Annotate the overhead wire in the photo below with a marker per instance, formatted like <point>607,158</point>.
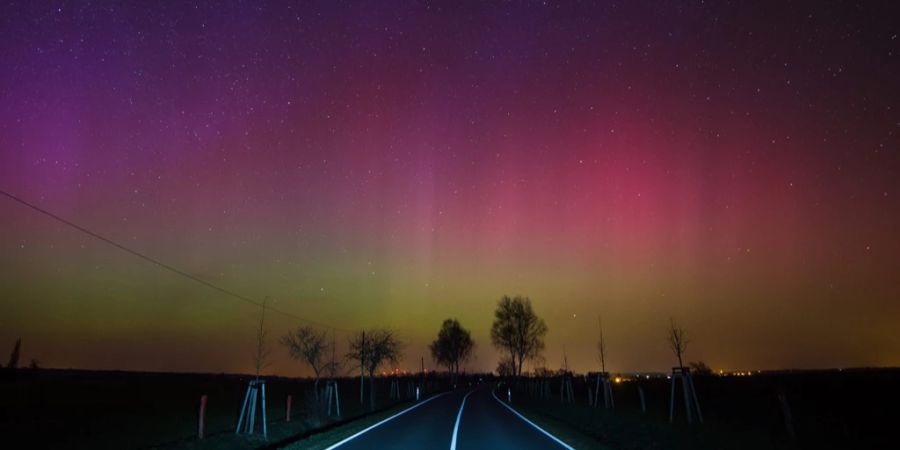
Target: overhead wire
<point>166,266</point>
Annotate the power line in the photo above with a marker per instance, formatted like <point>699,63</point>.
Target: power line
<point>164,265</point>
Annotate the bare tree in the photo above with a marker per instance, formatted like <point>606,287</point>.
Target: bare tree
<point>312,347</point>
<point>335,367</point>
<point>601,347</point>
<point>372,349</point>
<point>452,347</point>
<point>505,367</point>
<point>261,353</point>
<point>517,331</point>
<point>14,356</point>
<point>700,368</point>
<point>678,341</point>
<point>358,346</point>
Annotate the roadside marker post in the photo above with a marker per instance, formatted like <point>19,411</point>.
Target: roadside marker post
<point>509,395</point>
<point>202,417</point>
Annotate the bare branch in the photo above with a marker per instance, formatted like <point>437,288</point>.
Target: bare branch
<point>678,341</point>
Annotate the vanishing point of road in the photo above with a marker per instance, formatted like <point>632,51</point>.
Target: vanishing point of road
<point>459,420</point>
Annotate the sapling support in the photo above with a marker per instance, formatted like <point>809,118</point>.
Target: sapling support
<point>256,389</point>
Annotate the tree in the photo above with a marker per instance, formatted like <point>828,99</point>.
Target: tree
<point>371,349</point>
<point>312,347</point>
<point>505,368</point>
<point>14,356</point>
<point>601,348</point>
<point>453,346</point>
<point>700,368</point>
<point>261,353</point>
<point>678,341</point>
<point>517,331</point>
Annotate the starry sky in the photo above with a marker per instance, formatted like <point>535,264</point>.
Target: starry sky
<point>733,165</point>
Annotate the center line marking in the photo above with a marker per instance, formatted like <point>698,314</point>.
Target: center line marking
<point>458,418</point>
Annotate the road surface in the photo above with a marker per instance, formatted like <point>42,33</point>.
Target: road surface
<point>459,420</point>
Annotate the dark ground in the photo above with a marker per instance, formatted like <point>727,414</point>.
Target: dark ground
<point>98,410</point>
<point>86,409</point>
<point>830,410</point>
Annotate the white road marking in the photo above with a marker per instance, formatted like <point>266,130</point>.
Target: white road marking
<point>531,423</point>
<point>458,418</point>
<point>384,421</point>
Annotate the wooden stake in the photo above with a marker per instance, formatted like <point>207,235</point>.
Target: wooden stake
<point>288,418</point>
<point>643,404</point>
<point>786,413</point>
<point>265,430</point>
<point>202,417</point>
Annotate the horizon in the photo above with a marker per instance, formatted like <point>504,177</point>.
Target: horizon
<point>733,169</point>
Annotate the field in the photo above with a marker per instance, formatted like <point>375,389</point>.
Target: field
<point>90,409</point>
<point>829,410</point>
<point>97,410</point>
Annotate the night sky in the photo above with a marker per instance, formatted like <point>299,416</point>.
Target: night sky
<point>735,165</point>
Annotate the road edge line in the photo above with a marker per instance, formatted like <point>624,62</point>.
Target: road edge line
<point>558,441</point>
<point>359,433</point>
<point>458,418</point>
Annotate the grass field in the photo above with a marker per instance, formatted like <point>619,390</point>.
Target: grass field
<point>99,410</point>
<point>830,410</point>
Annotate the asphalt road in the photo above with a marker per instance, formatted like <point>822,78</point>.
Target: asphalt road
<point>459,420</point>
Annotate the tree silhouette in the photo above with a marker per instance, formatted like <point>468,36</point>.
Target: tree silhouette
<point>312,347</point>
<point>700,368</point>
<point>14,356</point>
<point>505,367</point>
<point>371,349</point>
<point>601,348</point>
<point>262,351</point>
<point>678,341</point>
<point>517,331</point>
<point>453,346</point>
